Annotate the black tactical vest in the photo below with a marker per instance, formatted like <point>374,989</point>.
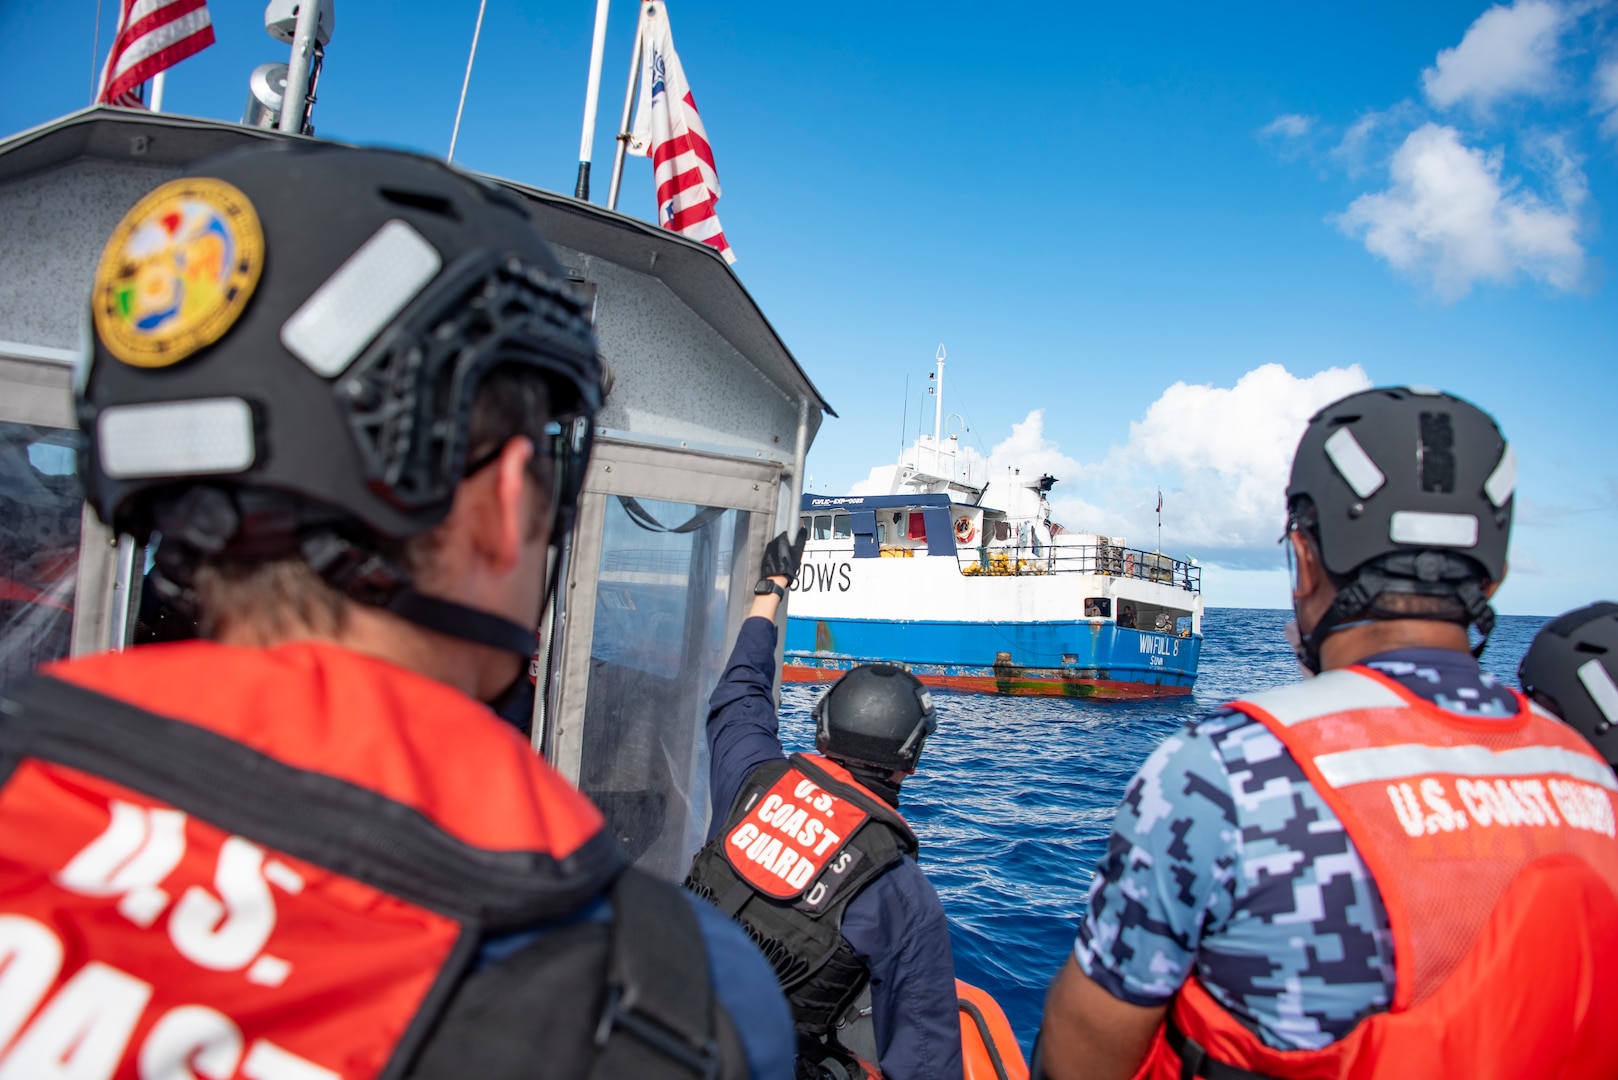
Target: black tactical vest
<point>802,935</point>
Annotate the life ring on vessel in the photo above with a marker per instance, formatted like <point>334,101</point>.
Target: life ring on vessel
<point>965,531</point>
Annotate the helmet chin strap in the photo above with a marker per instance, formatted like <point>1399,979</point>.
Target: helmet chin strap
<point>461,622</point>
<point>1355,605</point>
<point>369,578</point>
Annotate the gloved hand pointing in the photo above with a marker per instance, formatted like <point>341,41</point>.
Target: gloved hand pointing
<point>782,557</point>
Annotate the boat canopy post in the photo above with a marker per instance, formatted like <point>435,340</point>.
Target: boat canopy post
<point>592,97</point>
<point>629,111</point>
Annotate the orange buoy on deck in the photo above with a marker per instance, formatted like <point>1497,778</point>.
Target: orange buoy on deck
<point>989,1050</point>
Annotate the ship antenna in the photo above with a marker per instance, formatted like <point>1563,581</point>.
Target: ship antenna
<point>477,30</point>
<point>904,419</point>
<point>938,400</point>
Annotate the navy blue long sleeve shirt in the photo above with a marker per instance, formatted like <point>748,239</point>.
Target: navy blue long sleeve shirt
<point>895,925</point>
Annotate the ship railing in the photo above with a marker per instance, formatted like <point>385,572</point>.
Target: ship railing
<point>1018,560</point>
<point>1107,560</point>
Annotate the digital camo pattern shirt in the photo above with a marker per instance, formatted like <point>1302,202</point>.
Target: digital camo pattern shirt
<point>1224,862</point>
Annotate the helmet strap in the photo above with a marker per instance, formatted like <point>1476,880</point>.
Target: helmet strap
<point>463,623</point>
<point>1355,605</point>
<point>369,578</point>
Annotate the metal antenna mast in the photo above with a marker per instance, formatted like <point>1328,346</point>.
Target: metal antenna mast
<point>467,81</point>
<point>592,96</point>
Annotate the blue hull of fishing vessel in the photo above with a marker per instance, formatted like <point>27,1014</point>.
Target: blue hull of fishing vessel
<point>1085,658</point>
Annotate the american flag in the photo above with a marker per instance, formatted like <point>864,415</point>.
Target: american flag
<point>153,35</point>
<point>669,131</point>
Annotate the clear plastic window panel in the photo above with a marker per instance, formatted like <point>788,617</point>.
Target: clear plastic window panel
<point>40,507</point>
<point>663,595</point>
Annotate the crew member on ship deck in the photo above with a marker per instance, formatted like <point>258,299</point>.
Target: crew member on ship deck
<point>770,865</point>
<point>1397,868</point>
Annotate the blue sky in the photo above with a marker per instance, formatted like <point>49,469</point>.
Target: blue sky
<point>1175,229</point>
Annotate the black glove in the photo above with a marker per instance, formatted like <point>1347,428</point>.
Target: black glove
<point>782,557</point>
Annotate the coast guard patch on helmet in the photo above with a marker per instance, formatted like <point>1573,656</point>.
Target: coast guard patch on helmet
<point>177,272</point>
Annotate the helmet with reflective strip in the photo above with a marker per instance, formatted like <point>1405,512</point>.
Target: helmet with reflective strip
<point>877,715</point>
<point>1396,470</point>
<point>1405,490</point>
<point>388,286</point>
<point>1572,669</point>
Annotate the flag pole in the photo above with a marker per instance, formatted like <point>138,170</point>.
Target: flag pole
<point>592,97</point>
<point>623,125</point>
<point>466,81</point>
<point>160,82</point>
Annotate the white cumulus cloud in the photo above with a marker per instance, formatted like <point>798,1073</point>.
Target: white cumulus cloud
<point>1220,454</point>
<point>1606,93</point>
<point>1226,452</point>
<point>1029,450</point>
<point>1449,216</point>
<point>1507,51</point>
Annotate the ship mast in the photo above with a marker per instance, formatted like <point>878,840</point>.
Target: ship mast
<point>938,402</point>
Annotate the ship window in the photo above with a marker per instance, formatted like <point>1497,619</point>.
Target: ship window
<point>841,529</point>
<point>822,527</point>
<point>39,546</point>
<point>1098,607</point>
<point>803,522</point>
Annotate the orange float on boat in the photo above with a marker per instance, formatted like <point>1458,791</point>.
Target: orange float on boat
<point>989,1050</point>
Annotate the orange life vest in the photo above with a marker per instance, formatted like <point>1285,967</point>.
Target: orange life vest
<point>1492,842</point>
<point>263,863</point>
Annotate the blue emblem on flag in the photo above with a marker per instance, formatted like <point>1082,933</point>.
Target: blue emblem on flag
<point>657,72</point>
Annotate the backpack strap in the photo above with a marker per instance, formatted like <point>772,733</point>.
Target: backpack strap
<point>661,1018</point>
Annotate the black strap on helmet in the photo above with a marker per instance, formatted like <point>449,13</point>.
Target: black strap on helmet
<point>1427,573</point>
<point>370,578</point>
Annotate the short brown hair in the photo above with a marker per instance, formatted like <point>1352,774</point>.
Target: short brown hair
<point>281,593</point>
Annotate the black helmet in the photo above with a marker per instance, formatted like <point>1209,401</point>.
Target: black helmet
<point>1572,669</point>
<point>877,715</point>
<point>288,342</point>
<point>1406,490</point>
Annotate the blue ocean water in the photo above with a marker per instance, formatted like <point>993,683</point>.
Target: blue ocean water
<point>1015,796</point>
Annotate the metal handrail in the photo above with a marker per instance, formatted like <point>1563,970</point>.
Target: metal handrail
<point>1107,560</point>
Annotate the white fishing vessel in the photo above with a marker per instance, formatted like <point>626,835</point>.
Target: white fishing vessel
<point>965,578</point>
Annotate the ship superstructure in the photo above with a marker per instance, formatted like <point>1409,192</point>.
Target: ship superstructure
<point>965,578</point>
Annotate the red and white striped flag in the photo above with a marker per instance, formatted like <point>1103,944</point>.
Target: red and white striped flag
<point>153,35</point>
<point>669,131</point>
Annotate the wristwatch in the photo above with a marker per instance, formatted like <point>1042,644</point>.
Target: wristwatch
<point>765,587</point>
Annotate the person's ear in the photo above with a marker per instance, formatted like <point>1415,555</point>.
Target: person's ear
<point>509,512</point>
<point>1308,574</point>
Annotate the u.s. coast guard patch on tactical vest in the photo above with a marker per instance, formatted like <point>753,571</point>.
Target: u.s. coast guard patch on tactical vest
<point>790,835</point>
<point>177,272</point>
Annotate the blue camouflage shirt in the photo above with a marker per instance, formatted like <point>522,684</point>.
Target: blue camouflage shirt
<point>1225,863</point>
